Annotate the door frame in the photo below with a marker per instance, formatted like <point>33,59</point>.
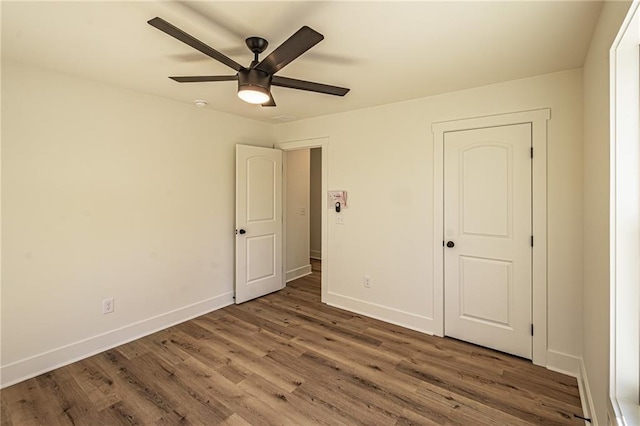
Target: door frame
<point>323,144</point>
<point>538,119</point>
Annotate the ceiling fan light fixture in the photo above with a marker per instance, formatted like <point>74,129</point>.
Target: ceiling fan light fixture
<point>253,94</point>
<point>253,86</point>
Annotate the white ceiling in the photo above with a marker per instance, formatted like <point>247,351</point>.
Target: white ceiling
<point>384,51</point>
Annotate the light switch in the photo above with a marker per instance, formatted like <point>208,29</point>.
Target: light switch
<point>339,219</point>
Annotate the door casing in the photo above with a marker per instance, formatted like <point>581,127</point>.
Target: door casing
<point>538,119</point>
<point>322,143</point>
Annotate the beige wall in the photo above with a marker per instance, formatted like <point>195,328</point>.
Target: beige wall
<point>595,348</point>
<point>297,222</point>
<point>109,193</point>
<point>384,157</point>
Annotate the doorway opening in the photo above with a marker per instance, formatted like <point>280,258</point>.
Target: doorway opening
<point>319,149</point>
<point>302,191</point>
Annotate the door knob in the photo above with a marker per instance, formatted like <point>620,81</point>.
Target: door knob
<point>450,244</point>
<point>242,232</point>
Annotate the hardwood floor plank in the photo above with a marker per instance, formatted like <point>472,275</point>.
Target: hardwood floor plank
<point>237,334</point>
<point>306,411</point>
<point>228,394</point>
<point>322,387</point>
<point>245,314</point>
<point>288,359</point>
<point>376,397</point>
<point>333,327</point>
<point>345,406</point>
<point>249,363</point>
<point>192,402</point>
<point>205,352</point>
<point>120,413</point>
<point>95,383</point>
<point>286,405</point>
<point>148,400</point>
<point>5,418</point>
<point>556,390</point>
<point>493,394</point>
<point>160,344</point>
<point>235,420</point>
<point>27,404</point>
<point>305,311</point>
<point>350,353</point>
<point>62,387</point>
<point>468,411</point>
<point>520,390</point>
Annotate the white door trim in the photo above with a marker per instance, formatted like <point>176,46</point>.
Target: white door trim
<point>322,143</point>
<point>538,120</point>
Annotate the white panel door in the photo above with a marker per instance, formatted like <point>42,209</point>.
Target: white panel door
<point>487,252</point>
<point>258,222</point>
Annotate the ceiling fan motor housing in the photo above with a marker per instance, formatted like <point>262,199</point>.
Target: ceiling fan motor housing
<point>254,78</point>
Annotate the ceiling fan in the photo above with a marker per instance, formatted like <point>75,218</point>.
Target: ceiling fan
<point>255,81</point>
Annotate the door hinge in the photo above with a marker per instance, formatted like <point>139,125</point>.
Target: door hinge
<point>532,241</point>
<point>532,329</point>
<point>531,152</point>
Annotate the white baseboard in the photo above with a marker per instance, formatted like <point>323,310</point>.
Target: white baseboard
<point>300,272</point>
<point>41,363</point>
<point>382,313</point>
<point>585,396</point>
<point>315,254</point>
<point>613,415</point>
<point>564,363</point>
<point>574,366</point>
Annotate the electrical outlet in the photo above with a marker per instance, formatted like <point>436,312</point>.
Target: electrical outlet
<point>339,219</point>
<point>367,281</point>
<point>107,306</point>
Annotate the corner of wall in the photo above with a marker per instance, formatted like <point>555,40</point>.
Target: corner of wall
<point>564,363</point>
<point>588,409</point>
<point>574,366</point>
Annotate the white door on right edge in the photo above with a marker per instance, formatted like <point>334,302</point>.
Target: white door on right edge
<point>487,252</point>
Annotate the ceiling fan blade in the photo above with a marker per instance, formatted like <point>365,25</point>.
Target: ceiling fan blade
<point>203,78</point>
<point>177,33</point>
<point>270,103</point>
<point>292,83</point>
<point>304,39</point>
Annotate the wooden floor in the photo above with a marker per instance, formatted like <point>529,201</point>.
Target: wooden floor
<point>288,359</point>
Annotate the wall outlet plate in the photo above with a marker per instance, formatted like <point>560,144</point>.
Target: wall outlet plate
<point>107,306</point>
